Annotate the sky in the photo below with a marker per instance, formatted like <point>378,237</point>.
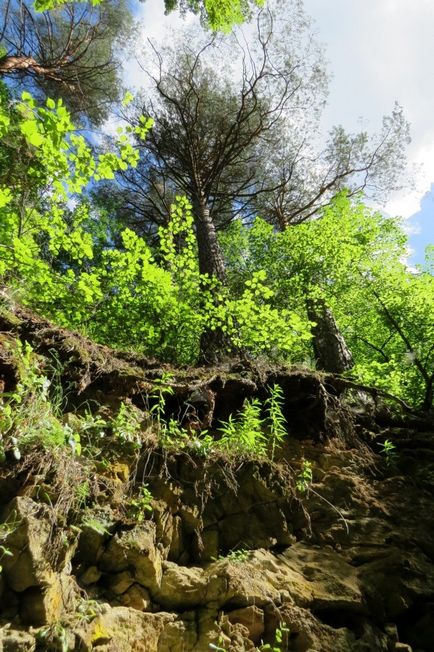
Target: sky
<point>379,52</point>
<point>382,51</point>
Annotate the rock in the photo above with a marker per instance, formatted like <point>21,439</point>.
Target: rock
<point>120,582</point>
<point>421,634</point>
<point>136,597</point>
<point>124,630</point>
<point>135,550</point>
<point>28,540</point>
<point>210,540</point>
<point>253,620</point>
<point>94,532</point>
<point>16,640</point>
<point>182,587</point>
<point>392,633</point>
<point>90,576</point>
<point>176,547</point>
<point>402,647</point>
<point>10,604</point>
<point>43,592</point>
<point>323,578</point>
<point>45,605</point>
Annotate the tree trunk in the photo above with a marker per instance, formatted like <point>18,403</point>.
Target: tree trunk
<point>331,352</point>
<point>210,256</point>
<point>429,394</point>
<point>11,64</point>
<point>214,344</point>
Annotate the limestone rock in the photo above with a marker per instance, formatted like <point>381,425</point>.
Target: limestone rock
<point>16,640</point>
<point>123,630</point>
<point>181,587</point>
<point>28,540</point>
<point>136,597</point>
<point>44,605</point>
<point>120,582</point>
<point>253,620</point>
<point>90,576</point>
<point>135,550</point>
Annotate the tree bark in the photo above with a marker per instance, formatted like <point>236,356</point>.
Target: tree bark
<point>331,352</point>
<point>210,255</point>
<point>214,344</point>
<point>11,64</point>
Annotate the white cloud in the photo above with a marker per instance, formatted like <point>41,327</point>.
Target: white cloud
<point>404,203</point>
<point>156,26</point>
<point>380,51</point>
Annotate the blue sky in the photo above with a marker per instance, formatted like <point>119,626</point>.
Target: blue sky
<point>422,224</point>
<point>379,52</point>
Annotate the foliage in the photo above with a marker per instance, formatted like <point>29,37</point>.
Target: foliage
<point>280,640</point>
<point>244,432</point>
<point>388,449</point>
<point>56,634</point>
<point>276,419</point>
<point>248,432</point>
<point>281,636</point>
<point>235,556</point>
<point>42,238</point>
<point>72,53</point>
<point>7,528</point>
<point>137,507</point>
<point>95,524</point>
<point>126,426</point>
<point>304,477</point>
<point>352,259</point>
<point>48,249</point>
<point>27,416</point>
<point>217,14</point>
<point>163,290</point>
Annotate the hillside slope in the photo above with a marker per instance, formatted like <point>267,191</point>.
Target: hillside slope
<point>125,526</point>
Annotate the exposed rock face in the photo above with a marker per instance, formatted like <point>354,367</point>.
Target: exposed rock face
<point>231,551</point>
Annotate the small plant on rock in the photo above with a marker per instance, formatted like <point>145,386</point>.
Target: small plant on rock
<point>126,427</point>
<point>388,449</point>
<point>235,556</point>
<point>139,506</point>
<point>244,432</point>
<point>281,636</point>
<point>28,417</point>
<point>217,648</point>
<point>276,420</point>
<point>55,636</point>
<point>172,435</point>
<point>159,392</point>
<point>304,477</point>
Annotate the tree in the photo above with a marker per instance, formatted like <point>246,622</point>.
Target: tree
<point>354,162</point>
<point>208,131</point>
<point>71,52</point>
<point>243,143</point>
<point>349,263</point>
<point>216,14</point>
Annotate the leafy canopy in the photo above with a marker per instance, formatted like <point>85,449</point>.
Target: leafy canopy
<point>216,14</point>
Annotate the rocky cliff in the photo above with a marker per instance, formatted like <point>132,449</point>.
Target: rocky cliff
<point>119,534</point>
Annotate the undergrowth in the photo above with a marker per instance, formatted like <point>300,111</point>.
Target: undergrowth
<point>62,450</point>
<point>86,445</point>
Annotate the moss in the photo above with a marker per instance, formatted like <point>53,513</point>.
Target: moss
<point>100,634</point>
<point>9,316</point>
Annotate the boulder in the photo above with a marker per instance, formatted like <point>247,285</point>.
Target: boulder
<point>135,550</point>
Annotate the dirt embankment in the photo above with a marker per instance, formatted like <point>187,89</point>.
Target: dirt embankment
<point>137,542</point>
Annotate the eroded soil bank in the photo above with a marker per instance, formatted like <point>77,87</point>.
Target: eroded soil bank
<point>219,550</point>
